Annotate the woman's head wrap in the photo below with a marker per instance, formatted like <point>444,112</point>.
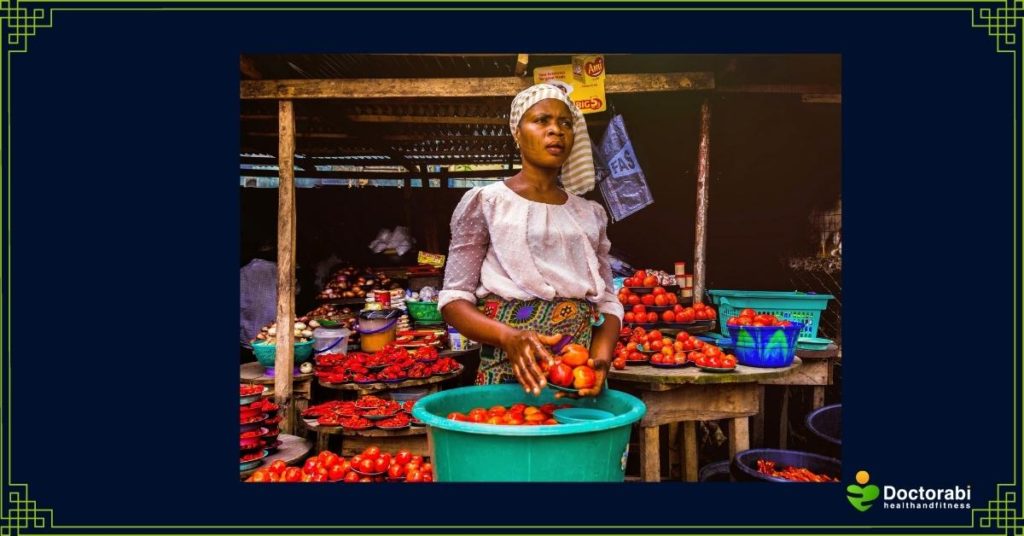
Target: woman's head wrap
<point>578,169</point>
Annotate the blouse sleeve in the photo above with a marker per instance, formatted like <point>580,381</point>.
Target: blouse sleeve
<point>466,252</point>
<point>609,302</point>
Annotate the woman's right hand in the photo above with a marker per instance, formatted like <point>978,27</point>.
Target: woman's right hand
<point>524,349</point>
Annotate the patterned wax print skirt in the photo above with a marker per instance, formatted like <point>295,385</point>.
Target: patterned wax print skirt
<point>567,316</point>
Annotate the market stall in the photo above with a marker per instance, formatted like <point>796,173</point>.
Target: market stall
<point>426,126</point>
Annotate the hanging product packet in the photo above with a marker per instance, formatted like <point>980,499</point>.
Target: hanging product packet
<point>618,172</point>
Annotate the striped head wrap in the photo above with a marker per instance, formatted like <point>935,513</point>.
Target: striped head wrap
<point>578,170</point>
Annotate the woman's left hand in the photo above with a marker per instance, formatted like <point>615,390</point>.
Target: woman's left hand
<point>600,367</point>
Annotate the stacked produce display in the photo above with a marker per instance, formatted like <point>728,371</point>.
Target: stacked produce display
<point>352,283</point>
<point>254,435</point>
<point>364,413</point>
<point>372,465</point>
<point>391,364</point>
<point>637,346</point>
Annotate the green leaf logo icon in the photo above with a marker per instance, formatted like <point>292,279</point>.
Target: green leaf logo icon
<point>862,496</point>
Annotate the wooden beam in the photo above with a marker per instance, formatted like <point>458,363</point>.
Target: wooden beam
<point>703,172</point>
<point>818,98</point>
<point>796,89</point>
<point>522,60</point>
<point>248,68</point>
<point>429,120</point>
<point>371,88</point>
<point>315,174</point>
<point>284,359</point>
<point>391,137</point>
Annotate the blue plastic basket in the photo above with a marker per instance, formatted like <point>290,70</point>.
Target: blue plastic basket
<point>792,306</point>
<point>765,346</point>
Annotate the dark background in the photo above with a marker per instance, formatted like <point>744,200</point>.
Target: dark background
<point>124,221</point>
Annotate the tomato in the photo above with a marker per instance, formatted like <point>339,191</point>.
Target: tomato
<point>633,300</point>
<point>310,465</point>
<point>292,474</point>
<point>372,451</point>
<point>395,472</point>
<point>733,321</point>
<point>678,346</point>
<point>686,316</point>
<point>631,346</point>
<point>560,374</point>
<point>403,457</point>
<point>261,475</point>
<point>680,358</point>
<point>682,336</point>
<point>640,274</point>
<point>636,356</point>
<point>712,361</point>
<point>729,361</point>
<point>656,346</point>
<point>497,410</point>
<point>628,318</point>
<point>785,323</point>
<point>655,334</point>
<point>356,459</point>
<point>676,308</point>
<point>667,350</point>
<point>381,465</point>
<point>328,460</point>
<point>417,459</point>
<point>650,281</point>
<point>660,300</point>
<point>658,291</point>
<point>623,299</point>
<point>575,355</point>
<point>639,332</point>
<point>548,408</point>
<point>647,299</point>
<point>367,465</point>
<point>748,312</point>
<point>619,363</point>
<point>583,377</point>
<point>386,457</point>
<point>639,310</point>
<point>278,466</point>
<point>745,321</point>
<point>336,473</point>
<point>494,420</point>
<point>414,476</point>
<point>351,477</point>
<point>668,316</point>
<point>652,317</point>
<point>672,299</point>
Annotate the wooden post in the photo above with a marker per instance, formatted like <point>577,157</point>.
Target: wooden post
<point>284,361</point>
<point>690,464</point>
<point>650,464</point>
<point>739,436</point>
<point>703,170</point>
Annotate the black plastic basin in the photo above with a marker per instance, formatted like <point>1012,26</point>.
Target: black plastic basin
<point>826,428</point>
<point>744,464</point>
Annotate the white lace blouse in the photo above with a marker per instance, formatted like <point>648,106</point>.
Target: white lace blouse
<point>518,249</point>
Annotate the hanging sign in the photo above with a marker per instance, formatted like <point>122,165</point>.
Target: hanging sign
<point>582,81</point>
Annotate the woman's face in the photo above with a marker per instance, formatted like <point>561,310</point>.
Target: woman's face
<point>545,134</point>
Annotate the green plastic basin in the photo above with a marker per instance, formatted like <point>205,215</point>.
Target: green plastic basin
<point>592,451</point>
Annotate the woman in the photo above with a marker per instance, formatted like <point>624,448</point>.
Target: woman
<point>533,254</point>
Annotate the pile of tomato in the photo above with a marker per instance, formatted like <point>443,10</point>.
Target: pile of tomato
<point>657,297</point>
<point>641,279</point>
<point>793,474</point>
<point>353,414</point>
<point>516,415</point>
<point>389,364</point>
<point>572,368</point>
<point>749,317</point>
<point>682,350</point>
<point>640,314</point>
<point>372,465</point>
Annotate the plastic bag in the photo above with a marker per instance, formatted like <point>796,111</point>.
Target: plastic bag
<point>618,172</point>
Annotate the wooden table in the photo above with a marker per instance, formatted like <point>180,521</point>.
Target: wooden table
<point>816,372</point>
<point>688,395</point>
<point>292,450</point>
<point>413,439</point>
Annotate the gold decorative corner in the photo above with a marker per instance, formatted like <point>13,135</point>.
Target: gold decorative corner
<point>1002,23</point>
<point>21,23</point>
<point>1002,514</point>
<point>21,513</point>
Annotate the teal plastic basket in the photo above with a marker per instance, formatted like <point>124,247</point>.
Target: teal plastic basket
<point>793,306</point>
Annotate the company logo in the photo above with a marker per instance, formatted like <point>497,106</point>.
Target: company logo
<point>862,495</point>
<point>592,103</point>
<point>595,68</point>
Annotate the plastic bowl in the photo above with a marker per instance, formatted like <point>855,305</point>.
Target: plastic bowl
<point>765,346</point>
<point>744,464</point>
<point>266,353</point>
<point>423,311</point>
<point>572,415</point>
